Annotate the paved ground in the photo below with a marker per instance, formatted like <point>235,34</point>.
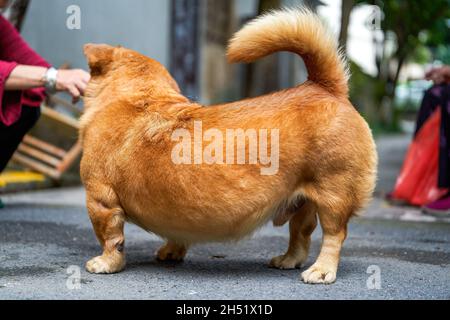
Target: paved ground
<point>43,234</point>
<point>41,240</point>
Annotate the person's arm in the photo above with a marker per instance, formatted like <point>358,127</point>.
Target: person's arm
<point>28,77</point>
<point>29,73</point>
<point>25,77</point>
<point>14,48</point>
<point>439,75</point>
<point>10,104</point>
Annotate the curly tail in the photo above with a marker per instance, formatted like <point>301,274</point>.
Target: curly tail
<point>299,31</point>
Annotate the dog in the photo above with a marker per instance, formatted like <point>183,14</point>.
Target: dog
<point>327,155</point>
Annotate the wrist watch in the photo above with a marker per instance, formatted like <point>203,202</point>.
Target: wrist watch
<point>50,78</point>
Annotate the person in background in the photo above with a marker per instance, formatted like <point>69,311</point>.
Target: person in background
<point>439,96</point>
<point>25,79</point>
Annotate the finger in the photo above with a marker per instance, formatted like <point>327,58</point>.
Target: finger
<point>81,86</point>
<point>85,81</point>
<point>74,92</point>
<point>75,100</point>
<point>86,77</point>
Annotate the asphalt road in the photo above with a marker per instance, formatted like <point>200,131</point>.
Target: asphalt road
<point>38,244</point>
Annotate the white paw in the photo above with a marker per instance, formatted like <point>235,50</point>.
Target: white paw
<point>102,265</point>
<point>319,275</point>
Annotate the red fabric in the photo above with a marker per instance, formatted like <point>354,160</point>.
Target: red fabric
<point>418,180</point>
<point>13,51</point>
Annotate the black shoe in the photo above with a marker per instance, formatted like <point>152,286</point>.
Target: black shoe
<point>2,205</point>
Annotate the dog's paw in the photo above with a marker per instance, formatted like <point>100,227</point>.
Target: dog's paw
<point>319,275</point>
<point>102,265</point>
<point>286,262</point>
<point>171,252</point>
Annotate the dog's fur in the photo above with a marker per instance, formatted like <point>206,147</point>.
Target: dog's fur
<point>327,153</point>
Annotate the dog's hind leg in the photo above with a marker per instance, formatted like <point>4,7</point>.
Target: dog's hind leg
<point>334,227</point>
<point>301,226</point>
<point>108,221</point>
<point>172,251</point>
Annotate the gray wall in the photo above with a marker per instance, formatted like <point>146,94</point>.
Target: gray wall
<point>246,8</point>
<point>141,25</point>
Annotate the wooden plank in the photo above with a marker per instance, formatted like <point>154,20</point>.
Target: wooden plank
<point>32,149</point>
<point>71,156</point>
<point>44,157</point>
<point>55,115</point>
<point>44,146</point>
<point>35,165</point>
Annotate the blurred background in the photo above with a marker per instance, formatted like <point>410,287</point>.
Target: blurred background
<point>390,45</point>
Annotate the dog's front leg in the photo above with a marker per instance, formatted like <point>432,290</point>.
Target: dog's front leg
<point>108,222</point>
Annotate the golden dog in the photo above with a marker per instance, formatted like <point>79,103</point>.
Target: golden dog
<point>327,156</point>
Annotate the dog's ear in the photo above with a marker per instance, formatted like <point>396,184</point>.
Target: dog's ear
<point>99,57</point>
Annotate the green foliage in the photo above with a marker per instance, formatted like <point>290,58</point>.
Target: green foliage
<point>421,31</point>
<point>414,22</point>
<point>442,53</point>
<point>421,55</point>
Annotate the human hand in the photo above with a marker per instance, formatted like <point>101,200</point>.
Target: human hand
<point>439,75</point>
<point>72,81</point>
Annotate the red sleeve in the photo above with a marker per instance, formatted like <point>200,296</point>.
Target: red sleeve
<point>14,50</point>
<point>10,103</point>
